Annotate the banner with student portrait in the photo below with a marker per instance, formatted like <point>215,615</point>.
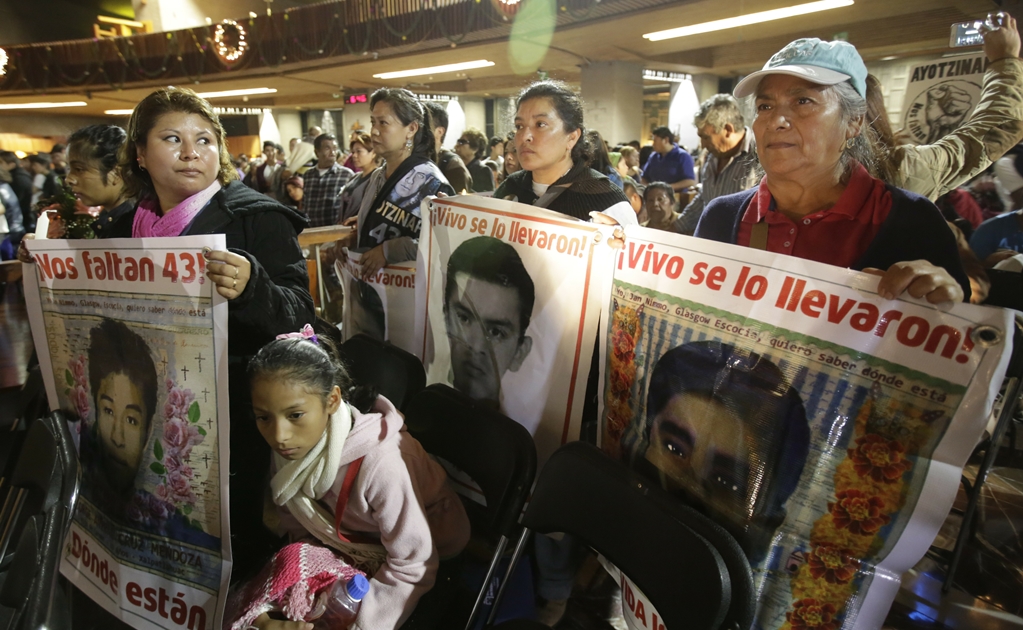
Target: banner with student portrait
<point>824,426</point>
<point>383,305</point>
<point>507,301</point>
<point>132,341</point>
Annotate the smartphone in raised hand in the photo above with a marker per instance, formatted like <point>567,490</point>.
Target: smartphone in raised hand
<point>966,34</point>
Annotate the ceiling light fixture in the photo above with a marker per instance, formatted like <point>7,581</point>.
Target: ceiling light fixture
<point>451,67</point>
<point>746,20</point>
<point>118,112</point>
<point>43,105</point>
<point>248,92</point>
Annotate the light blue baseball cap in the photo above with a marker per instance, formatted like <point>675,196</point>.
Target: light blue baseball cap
<point>820,62</point>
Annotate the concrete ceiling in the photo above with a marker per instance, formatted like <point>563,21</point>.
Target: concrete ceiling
<point>879,28</point>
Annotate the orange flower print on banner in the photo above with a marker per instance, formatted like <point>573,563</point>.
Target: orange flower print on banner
<point>625,333</point>
<point>832,564</point>
<point>624,345</point>
<point>621,383</point>
<point>810,614</point>
<point>860,514</point>
<point>882,460</point>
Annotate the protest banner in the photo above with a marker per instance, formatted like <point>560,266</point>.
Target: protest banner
<point>637,609</point>
<point>382,306</point>
<point>941,95</point>
<point>507,301</point>
<point>824,426</point>
<point>132,340</point>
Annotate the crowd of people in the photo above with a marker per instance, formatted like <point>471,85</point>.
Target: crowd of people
<point>816,172</point>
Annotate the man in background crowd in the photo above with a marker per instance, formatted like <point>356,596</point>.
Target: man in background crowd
<point>260,175</point>
<point>45,183</point>
<point>471,147</point>
<point>450,164</point>
<point>730,166</point>
<point>311,135</point>
<point>669,163</point>
<point>58,160</point>
<point>497,152</point>
<point>21,183</point>
<point>321,200</point>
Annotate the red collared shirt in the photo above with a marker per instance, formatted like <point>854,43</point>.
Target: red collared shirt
<point>837,236</point>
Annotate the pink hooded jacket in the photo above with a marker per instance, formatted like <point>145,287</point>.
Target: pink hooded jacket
<point>402,497</point>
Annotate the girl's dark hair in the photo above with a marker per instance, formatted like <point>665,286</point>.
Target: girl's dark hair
<point>99,143</point>
<point>313,364</point>
<point>137,181</point>
<point>408,108</point>
<point>569,107</point>
<point>600,161</point>
<point>116,349</point>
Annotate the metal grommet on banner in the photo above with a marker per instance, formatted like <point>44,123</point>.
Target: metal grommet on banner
<point>986,336</point>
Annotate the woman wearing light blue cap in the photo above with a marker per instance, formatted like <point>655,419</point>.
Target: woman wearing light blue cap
<point>817,199</point>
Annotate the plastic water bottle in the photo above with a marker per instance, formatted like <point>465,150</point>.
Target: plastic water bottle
<point>341,605</point>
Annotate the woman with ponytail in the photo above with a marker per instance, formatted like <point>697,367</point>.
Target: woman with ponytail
<point>551,146</point>
<point>389,215</point>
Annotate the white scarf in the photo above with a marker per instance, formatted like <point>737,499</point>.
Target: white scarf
<point>299,484</point>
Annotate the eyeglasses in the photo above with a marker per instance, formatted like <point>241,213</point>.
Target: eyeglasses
<point>461,141</point>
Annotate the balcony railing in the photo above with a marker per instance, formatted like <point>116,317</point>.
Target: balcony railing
<point>328,33</point>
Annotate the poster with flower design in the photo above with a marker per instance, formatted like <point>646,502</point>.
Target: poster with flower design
<point>132,343</point>
<point>824,426</point>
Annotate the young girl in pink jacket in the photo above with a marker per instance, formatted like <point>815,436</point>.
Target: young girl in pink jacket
<point>347,475</point>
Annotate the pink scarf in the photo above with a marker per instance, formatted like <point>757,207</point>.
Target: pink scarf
<point>149,223</point>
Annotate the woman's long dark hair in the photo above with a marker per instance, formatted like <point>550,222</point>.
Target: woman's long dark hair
<point>409,109</point>
<point>570,110</point>
<point>600,161</point>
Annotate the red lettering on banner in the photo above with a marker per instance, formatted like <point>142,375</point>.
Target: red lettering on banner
<point>56,268</point>
<point>796,296</point>
<point>156,600</point>
<point>89,560</point>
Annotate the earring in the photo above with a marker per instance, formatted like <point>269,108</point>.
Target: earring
<point>850,142</point>
<point>408,144</point>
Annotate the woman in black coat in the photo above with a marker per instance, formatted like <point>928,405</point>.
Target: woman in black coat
<point>176,163</point>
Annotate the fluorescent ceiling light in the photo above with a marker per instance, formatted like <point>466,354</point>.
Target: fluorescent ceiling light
<point>451,67</point>
<point>43,105</point>
<point>746,20</point>
<point>248,92</point>
<point>250,111</point>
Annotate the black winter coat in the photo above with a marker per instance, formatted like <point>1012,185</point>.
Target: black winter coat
<point>276,300</point>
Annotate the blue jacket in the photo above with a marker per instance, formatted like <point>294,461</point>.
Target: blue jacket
<point>914,230</point>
